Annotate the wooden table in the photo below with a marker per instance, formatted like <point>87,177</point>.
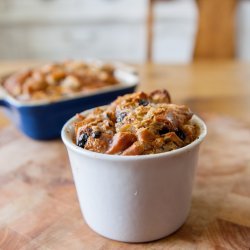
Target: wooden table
<point>38,204</point>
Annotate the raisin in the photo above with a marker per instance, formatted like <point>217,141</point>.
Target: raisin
<point>143,102</point>
<point>82,140</point>
<point>121,116</point>
<point>180,134</point>
<point>163,131</point>
<point>96,134</point>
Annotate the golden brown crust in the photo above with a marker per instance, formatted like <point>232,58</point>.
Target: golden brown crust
<point>137,124</point>
<point>120,142</point>
<point>160,96</point>
<point>52,81</point>
<point>135,149</point>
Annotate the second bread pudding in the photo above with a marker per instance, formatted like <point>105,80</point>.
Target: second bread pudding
<point>136,124</point>
<point>57,80</point>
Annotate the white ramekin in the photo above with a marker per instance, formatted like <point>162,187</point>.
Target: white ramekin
<point>134,198</point>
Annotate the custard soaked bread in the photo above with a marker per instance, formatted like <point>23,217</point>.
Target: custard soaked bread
<point>136,124</point>
<point>56,80</point>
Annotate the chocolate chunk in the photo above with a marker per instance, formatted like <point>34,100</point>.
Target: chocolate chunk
<point>82,140</point>
<point>143,102</point>
<point>180,134</point>
<point>121,116</point>
<point>96,134</point>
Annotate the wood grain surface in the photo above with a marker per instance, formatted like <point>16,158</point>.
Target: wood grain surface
<point>38,204</point>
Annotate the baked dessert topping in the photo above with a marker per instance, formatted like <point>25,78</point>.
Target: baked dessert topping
<point>55,80</point>
<point>136,124</point>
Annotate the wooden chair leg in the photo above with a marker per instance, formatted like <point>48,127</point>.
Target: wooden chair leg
<point>150,27</point>
<point>216,33</point>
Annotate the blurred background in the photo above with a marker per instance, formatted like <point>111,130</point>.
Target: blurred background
<point>120,29</point>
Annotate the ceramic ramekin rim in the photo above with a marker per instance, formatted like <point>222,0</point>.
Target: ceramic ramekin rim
<point>67,139</point>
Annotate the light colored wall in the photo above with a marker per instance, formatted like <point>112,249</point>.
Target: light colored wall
<point>107,29</point>
<point>243,30</point>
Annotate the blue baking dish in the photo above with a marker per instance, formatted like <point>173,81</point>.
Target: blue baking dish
<point>44,120</point>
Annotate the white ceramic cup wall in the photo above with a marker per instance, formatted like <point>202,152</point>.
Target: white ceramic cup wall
<point>134,198</point>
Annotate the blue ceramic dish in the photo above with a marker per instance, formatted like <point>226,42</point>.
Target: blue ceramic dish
<point>44,120</point>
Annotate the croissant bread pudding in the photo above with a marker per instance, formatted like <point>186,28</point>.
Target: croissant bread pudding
<point>136,124</point>
<point>55,80</point>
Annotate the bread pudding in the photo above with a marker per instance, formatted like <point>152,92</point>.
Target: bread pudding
<point>136,124</point>
<point>56,80</point>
